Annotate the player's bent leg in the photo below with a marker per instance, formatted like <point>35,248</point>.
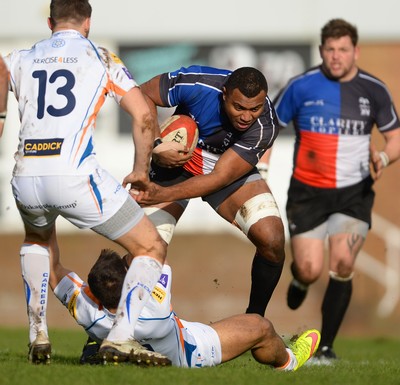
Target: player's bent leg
<point>258,217</point>
<point>253,209</point>
<point>244,332</point>
<point>306,267</point>
<point>346,238</point>
<point>297,291</point>
<point>267,235</point>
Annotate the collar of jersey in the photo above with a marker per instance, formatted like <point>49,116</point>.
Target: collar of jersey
<point>67,32</point>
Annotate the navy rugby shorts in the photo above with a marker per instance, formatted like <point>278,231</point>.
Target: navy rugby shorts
<point>308,207</point>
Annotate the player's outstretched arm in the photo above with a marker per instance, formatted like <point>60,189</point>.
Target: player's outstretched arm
<point>229,168</point>
<point>143,131</point>
<point>57,270</point>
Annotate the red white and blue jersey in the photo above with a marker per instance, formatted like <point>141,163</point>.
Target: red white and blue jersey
<point>60,84</point>
<point>333,122</point>
<point>196,91</point>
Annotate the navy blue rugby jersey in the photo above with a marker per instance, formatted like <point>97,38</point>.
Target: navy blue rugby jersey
<point>196,91</point>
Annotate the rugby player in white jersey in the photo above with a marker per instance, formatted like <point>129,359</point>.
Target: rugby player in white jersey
<point>186,344</point>
<point>60,85</point>
<point>3,93</point>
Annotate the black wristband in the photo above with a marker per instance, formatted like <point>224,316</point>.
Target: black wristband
<point>157,142</point>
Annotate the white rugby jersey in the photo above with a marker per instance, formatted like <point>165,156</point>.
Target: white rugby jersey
<point>186,344</point>
<point>61,84</point>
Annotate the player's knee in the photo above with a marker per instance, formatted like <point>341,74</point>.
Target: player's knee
<point>305,273</point>
<point>269,239</point>
<point>261,327</point>
<point>266,327</point>
<point>273,251</point>
<point>344,274</point>
<point>253,210</point>
<point>163,221</point>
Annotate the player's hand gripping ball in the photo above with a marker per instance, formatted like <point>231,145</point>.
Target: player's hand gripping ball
<point>180,129</point>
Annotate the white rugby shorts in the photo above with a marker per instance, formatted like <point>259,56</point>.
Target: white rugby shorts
<point>84,200</point>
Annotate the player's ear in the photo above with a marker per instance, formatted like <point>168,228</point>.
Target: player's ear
<point>320,49</point>
<point>356,52</point>
<point>224,93</point>
<point>86,26</point>
<point>50,23</point>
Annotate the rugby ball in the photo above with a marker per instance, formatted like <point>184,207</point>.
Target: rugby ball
<point>181,129</point>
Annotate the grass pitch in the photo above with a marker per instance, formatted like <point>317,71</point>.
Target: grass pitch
<point>362,362</point>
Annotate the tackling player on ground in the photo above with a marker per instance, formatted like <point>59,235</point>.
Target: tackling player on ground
<point>186,344</point>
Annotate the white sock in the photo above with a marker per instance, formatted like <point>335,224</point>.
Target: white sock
<point>142,276</point>
<point>35,267</point>
<point>292,361</point>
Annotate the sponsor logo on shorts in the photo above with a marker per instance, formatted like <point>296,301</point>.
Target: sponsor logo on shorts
<point>66,206</point>
<point>72,303</point>
<point>43,147</point>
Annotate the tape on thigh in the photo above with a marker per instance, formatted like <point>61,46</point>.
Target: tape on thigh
<point>163,220</point>
<point>260,206</point>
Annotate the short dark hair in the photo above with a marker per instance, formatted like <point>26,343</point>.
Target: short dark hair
<point>106,278</point>
<point>337,28</point>
<point>69,10</point>
<point>250,82</point>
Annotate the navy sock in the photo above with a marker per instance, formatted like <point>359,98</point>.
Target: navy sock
<point>265,276</point>
<point>334,306</point>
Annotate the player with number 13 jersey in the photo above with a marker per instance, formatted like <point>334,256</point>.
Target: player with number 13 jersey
<point>57,107</point>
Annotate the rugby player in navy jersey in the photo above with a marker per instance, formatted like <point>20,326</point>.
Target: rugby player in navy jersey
<point>334,108</point>
<point>237,124</point>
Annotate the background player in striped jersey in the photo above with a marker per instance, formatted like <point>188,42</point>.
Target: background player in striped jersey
<point>334,107</point>
<point>237,123</point>
<point>186,344</point>
<point>61,84</point>
<point>3,93</point>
